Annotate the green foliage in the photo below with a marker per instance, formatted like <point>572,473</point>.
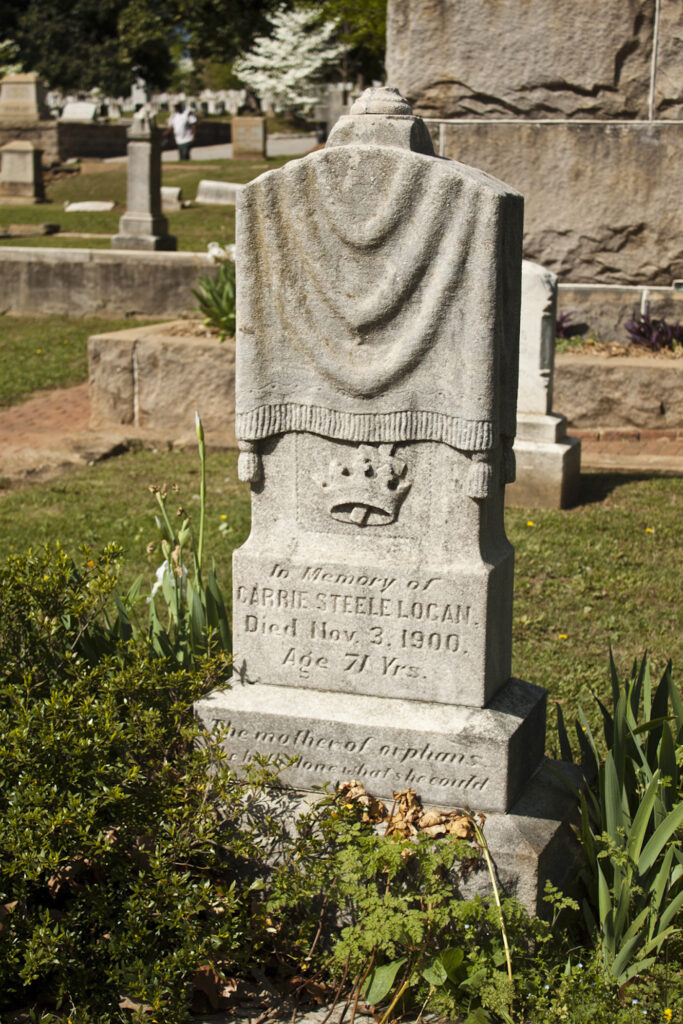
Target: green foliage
<point>362,29</point>
<point>216,297</point>
<point>196,622</point>
<point>46,352</point>
<point>117,875</point>
<point>632,821</point>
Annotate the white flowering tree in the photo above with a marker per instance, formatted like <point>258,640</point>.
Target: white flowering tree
<point>285,67</point>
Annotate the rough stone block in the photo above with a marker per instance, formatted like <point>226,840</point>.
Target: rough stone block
<point>632,391</point>
<point>156,377</point>
<point>493,58</point>
<point>598,198</point>
<point>450,755</point>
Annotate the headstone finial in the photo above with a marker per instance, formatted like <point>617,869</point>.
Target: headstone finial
<point>382,100</point>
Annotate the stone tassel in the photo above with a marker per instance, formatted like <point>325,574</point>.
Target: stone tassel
<point>249,464</point>
<point>479,479</point>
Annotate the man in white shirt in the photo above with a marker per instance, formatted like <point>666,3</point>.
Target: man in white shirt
<point>183,124</point>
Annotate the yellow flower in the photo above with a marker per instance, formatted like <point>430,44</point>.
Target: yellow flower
<point>562,636</point>
<point>38,351</point>
<point>648,529</point>
<point>530,522</point>
<point>223,517</point>
<point>668,1014</point>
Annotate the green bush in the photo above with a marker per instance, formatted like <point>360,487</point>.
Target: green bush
<point>118,877</point>
<point>131,855</point>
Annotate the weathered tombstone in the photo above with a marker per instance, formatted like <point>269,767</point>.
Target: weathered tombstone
<point>248,137</point>
<point>548,461</point>
<point>218,193</point>
<point>82,111</point>
<point>22,99</point>
<point>21,175</point>
<point>378,313</point>
<point>171,198</point>
<point>143,226</point>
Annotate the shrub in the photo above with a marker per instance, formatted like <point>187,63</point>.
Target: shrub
<point>118,877</point>
<point>653,332</point>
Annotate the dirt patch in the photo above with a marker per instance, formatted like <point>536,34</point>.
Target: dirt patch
<point>49,433</point>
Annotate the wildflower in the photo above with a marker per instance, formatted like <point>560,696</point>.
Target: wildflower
<point>220,253</point>
<point>648,529</point>
<point>563,636</point>
<point>634,1002</point>
<point>38,351</point>
<point>163,573</point>
<point>530,522</point>
<point>668,1014</point>
<point>223,516</point>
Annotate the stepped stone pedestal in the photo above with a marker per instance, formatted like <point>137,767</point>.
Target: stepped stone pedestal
<point>376,369</point>
<point>548,460</point>
<point>143,225</point>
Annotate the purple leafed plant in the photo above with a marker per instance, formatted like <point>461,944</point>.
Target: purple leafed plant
<point>653,332</point>
<point>565,326</point>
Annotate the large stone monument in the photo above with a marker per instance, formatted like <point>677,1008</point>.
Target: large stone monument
<point>143,225</point>
<point>548,461</point>
<point>378,313</point>
<point>22,99</point>
<point>21,174</point>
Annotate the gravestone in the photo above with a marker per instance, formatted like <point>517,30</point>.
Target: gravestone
<point>219,193</point>
<point>82,111</point>
<point>377,344</point>
<point>248,137</point>
<point>171,198</point>
<point>548,461</point>
<point>22,99</point>
<point>21,175</point>
<point>143,225</point>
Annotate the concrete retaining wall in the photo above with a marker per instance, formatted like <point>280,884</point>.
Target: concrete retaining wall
<point>78,282</point>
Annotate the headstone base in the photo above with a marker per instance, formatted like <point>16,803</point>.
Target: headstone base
<point>548,463</point>
<point>14,199</point>
<point>148,243</point>
<point>448,754</point>
<point>530,844</point>
<point>143,231</point>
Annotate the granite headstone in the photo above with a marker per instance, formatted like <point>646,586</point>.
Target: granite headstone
<point>376,380</point>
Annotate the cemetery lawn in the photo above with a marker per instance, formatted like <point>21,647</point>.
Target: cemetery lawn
<point>604,572</point>
<point>39,352</point>
<point>193,227</point>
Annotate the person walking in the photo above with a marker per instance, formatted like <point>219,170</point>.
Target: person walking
<point>183,124</point>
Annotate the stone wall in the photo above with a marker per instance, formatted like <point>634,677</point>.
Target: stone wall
<point>601,200</point>
<point>61,140</point>
<point>579,106</point>
<point>98,281</point>
<point>535,59</point>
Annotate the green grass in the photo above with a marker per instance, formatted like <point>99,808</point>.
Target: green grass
<point>39,352</point>
<point>606,571</point>
<point>193,227</point>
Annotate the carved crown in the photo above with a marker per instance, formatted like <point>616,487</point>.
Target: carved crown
<point>367,487</point>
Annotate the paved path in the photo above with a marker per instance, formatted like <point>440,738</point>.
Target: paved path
<point>276,145</point>
<point>49,433</point>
